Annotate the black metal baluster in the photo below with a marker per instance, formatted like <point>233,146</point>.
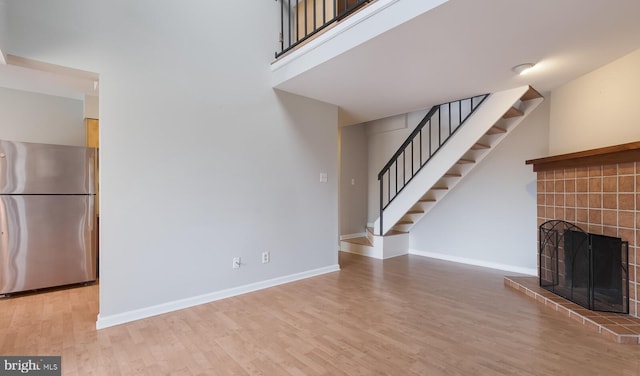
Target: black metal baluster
<point>412,158</point>
<point>420,133</point>
<point>430,141</point>
<point>396,178</point>
<point>459,114</point>
<point>289,21</point>
<point>404,167</point>
<point>449,122</point>
<point>439,126</point>
<point>381,202</point>
<point>314,15</point>
<point>324,12</point>
<point>296,17</point>
<point>281,36</point>
<point>389,188</point>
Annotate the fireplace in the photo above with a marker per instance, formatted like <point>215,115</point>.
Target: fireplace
<point>589,269</point>
<point>598,191</point>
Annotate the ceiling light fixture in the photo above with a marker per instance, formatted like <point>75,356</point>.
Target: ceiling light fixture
<point>522,68</point>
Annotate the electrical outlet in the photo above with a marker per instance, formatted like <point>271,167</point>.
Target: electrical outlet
<point>266,257</point>
<point>236,262</point>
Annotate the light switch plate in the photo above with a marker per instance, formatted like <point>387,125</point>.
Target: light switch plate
<point>323,177</point>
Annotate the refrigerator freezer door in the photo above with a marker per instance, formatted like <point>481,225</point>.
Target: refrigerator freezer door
<point>46,241</point>
<point>30,168</point>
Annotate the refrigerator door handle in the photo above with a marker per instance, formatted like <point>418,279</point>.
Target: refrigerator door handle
<point>90,209</point>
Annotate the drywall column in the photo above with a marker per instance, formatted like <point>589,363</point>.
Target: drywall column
<point>353,182</point>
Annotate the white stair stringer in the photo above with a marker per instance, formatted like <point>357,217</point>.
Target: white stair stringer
<point>470,144</point>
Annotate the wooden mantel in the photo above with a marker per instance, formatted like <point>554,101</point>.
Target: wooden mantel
<point>608,155</point>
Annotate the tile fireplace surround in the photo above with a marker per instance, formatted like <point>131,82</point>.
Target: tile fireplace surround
<point>599,191</point>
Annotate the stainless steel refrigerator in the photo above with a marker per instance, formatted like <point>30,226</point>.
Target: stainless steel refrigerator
<point>47,216</point>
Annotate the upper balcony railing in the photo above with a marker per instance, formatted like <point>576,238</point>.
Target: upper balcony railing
<point>302,19</point>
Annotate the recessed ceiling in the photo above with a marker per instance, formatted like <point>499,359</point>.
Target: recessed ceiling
<point>468,47</point>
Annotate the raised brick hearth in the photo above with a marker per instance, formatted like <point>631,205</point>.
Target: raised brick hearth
<point>616,327</point>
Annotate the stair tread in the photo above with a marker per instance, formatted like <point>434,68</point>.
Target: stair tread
<point>427,200</point>
<point>512,112</point>
<point>465,161</point>
<point>406,222</point>
<point>439,188</point>
<point>453,175</point>
<point>531,94</point>
<point>496,130</point>
<point>395,232</point>
<point>415,212</point>
<point>360,241</point>
<point>479,146</point>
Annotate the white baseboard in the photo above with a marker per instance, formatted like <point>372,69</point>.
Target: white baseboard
<point>468,261</point>
<point>142,313</point>
<point>353,236</point>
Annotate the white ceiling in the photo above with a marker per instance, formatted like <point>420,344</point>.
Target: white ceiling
<point>29,75</point>
<point>468,47</point>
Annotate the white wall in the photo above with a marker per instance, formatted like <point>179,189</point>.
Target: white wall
<point>384,138</point>
<point>598,109</point>
<point>33,117</point>
<point>201,160</point>
<point>490,216</point>
<point>4,37</point>
<point>353,179</point>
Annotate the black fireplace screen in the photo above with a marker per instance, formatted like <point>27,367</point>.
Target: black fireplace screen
<point>588,269</point>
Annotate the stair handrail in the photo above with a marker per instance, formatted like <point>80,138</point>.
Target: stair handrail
<point>474,102</point>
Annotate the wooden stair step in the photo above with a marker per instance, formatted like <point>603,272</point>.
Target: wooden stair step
<point>512,112</point>
<point>496,130</point>
<point>415,212</point>
<point>452,175</point>
<point>439,188</point>
<point>427,200</point>
<point>405,222</point>
<point>360,241</point>
<point>465,161</point>
<point>530,94</point>
<point>479,146</point>
<point>395,232</point>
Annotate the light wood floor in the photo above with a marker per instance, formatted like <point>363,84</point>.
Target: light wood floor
<point>405,316</point>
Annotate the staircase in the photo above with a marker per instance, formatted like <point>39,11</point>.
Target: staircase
<point>408,191</point>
